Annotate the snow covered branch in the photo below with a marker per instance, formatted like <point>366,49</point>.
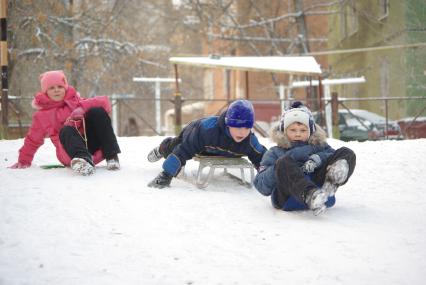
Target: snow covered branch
<point>32,51</point>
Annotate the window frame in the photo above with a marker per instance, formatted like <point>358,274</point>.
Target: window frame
<point>384,7</point>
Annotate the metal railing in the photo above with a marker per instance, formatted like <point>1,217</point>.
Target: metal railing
<point>134,106</point>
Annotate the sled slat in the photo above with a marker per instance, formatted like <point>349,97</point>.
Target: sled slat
<point>214,162</point>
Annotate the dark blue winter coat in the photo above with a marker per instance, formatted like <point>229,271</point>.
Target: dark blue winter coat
<point>210,136</point>
<point>265,181</point>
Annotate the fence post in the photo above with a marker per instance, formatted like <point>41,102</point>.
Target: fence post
<point>321,108</point>
<point>387,118</point>
<point>335,115</point>
<point>178,105</point>
<point>4,70</point>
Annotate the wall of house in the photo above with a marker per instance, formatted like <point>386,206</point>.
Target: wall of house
<point>388,73</point>
<point>415,13</point>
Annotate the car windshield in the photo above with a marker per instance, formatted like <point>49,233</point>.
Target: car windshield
<point>358,122</point>
<point>372,117</point>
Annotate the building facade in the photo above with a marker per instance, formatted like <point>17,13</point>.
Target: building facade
<point>396,71</point>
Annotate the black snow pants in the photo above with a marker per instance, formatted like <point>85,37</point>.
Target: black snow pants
<point>291,180</point>
<point>100,135</point>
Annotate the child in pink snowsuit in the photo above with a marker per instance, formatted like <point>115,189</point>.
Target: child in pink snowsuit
<point>79,128</point>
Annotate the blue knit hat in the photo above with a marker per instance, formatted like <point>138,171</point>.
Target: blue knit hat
<point>240,114</point>
<point>297,113</point>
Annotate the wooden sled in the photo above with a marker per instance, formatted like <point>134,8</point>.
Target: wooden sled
<point>225,163</point>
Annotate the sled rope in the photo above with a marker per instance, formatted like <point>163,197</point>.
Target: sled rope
<point>84,136</point>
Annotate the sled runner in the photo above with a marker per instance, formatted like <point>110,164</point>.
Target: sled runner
<point>214,162</point>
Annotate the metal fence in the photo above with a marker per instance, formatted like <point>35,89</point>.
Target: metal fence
<point>138,115</point>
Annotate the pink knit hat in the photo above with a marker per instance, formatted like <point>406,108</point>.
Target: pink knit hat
<point>54,77</point>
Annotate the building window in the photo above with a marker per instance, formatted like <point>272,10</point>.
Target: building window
<point>348,19</point>
<point>383,9</point>
<point>351,18</point>
<point>343,32</point>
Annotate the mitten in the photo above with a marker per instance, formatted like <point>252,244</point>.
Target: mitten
<point>20,165</point>
<point>162,180</point>
<point>77,114</point>
<point>75,118</point>
<point>311,164</point>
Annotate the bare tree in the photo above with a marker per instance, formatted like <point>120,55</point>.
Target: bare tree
<point>101,45</point>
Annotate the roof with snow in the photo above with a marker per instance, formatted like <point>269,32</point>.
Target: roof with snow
<point>303,65</point>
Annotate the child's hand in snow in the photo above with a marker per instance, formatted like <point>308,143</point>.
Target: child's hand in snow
<point>20,165</point>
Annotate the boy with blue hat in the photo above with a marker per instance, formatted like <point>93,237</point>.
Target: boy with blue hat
<point>226,135</point>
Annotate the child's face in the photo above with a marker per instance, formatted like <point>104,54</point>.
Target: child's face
<point>297,132</point>
<point>239,134</point>
<point>56,93</point>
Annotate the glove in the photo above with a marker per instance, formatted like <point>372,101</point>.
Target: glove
<point>311,164</point>
<point>20,165</point>
<point>77,114</point>
<point>75,117</point>
<point>162,180</point>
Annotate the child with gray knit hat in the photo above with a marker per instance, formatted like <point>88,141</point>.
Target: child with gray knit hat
<point>302,171</point>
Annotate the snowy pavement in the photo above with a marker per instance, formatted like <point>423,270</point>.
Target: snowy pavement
<point>110,228</point>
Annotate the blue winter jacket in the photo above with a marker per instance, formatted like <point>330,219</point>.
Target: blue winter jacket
<point>210,136</point>
<point>265,181</point>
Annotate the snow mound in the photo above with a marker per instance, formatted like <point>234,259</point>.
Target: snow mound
<point>110,228</point>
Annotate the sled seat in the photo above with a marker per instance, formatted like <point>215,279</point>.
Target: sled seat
<point>225,163</point>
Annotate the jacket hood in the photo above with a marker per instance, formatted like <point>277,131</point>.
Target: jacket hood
<point>319,137</point>
<point>221,121</point>
<point>42,102</point>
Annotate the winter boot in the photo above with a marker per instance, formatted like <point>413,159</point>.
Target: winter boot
<point>155,155</point>
<point>162,180</point>
<point>113,163</point>
<point>82,166</point>
<point>336,175</point>
<point>316,199</point>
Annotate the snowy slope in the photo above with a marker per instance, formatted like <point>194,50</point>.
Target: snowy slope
<point>110,228</point>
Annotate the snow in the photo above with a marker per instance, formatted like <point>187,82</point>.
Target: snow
<point>306,65</point>
<point>110,228</point>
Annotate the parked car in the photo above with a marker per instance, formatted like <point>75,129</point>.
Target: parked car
<point>413,127</point>
<point>362,125</point>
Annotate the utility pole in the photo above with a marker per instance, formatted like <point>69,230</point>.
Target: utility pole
<point>304,46</point>
<point>157,81</point>
<point>4,67</point>
<point>178,103</point>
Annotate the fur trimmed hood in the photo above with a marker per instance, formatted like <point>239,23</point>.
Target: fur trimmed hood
<point>319,137</point>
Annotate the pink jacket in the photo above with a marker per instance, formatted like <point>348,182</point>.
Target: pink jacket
<point>50,118</point>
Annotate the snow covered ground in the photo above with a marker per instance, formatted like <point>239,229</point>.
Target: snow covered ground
<point>110,228</point>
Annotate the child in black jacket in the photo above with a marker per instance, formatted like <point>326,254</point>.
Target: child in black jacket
<point>228,135</point>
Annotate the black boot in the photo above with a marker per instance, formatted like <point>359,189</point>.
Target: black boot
<point>162,180</point>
